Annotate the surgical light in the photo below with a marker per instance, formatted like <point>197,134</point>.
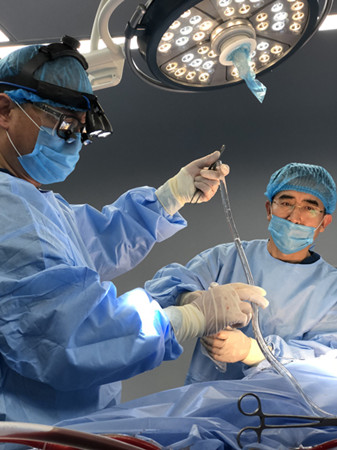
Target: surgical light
<point>161,32</point>
<point>186,28</point>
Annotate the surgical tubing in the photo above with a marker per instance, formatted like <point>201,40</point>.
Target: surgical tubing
<point>279,367</point>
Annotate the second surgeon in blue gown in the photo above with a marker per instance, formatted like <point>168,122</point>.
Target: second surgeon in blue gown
<point>300,321</point>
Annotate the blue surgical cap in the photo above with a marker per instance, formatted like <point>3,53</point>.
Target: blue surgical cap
<point>308,178</point>
<point>65,71</point>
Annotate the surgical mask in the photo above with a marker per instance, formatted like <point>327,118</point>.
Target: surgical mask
<point>290,237</point>
<point>53,159</point>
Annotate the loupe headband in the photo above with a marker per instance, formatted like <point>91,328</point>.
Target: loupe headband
<point>97,122</point>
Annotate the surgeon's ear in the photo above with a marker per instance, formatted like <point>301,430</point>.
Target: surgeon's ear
<point>6,105</point>
<point>268,209</point>
<point>326,221</point>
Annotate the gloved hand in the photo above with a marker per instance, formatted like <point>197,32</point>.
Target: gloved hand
<point>208,312</point>
<point>181,188</point>
<point>232,346</point>
<point>237,295</point>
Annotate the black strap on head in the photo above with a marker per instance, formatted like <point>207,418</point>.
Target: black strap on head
<point>25,79</point>
<point>67,47</point>
<point>96,123</point>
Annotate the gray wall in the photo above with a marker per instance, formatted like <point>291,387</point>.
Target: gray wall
<point>157,132</point>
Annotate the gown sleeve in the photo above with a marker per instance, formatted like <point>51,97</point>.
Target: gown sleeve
<point>60,323</point>
<point>121,235</point>
<point>175,279</point>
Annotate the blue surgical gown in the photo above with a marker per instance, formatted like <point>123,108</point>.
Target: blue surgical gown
<point>299,323</point>
<point>66,337</point>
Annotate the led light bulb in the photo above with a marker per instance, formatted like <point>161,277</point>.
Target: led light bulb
<point>164,48</point>
<point>171,66</point>
<point>244,9</point>
<point>205,26</point>
<point>204,77</point>
<point>180,72</point>
<point>199,36</point>
<point>276,49</point>
<point>280,16</point>
<point>261,17</point>
<point>262,26</point>
<point>262,46</point>
<point>176,24</point>
<point>187,58</point>
<point>235,73</point>
<point>277,7</point>
<point>186,14</point>
<point>212,54</point>
<point>295,27</point>
<point>203,50</point>
<point>278,26</point>
<point>224,3</point>
<point>208,65</point>
<point>186,30</point>
<point>182,41</point>
<point>297,6</point>
<point>264,58</point>
<point>298,15</point>
<point>229,11</point>
<point>167,36</point>
<point>191,75</point>
<point>196,62</point>
<point>195,20</point>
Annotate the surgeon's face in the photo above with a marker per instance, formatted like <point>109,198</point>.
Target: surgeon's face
<point>33,117</point>
<point>299,208</point>
<point>23,128</point>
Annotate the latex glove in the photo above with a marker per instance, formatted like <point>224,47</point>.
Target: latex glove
<point>211,311</point>
<point>181,188</point>
<point>227,346</point>
<point>232,346</point>
<point>237,295</point>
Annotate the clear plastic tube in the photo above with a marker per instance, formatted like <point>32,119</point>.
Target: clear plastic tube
<point>279,367</point>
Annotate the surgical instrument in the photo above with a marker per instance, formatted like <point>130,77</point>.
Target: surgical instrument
<point>308,421</point>
<point>211,167</point>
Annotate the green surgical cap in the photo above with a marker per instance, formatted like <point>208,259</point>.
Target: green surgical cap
<point>308,178</point>
<point>65,71</point>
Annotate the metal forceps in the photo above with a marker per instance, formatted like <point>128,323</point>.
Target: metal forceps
<point>308,421</point>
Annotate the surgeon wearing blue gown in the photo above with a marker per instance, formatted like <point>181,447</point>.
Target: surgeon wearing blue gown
<point>66,337</point>
<point>300,322</point>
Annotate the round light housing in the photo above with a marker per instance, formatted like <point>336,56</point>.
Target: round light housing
<point>191,26</point>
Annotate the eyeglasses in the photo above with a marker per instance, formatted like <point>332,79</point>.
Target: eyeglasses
<point>65,125</point>
<point>286,207</point>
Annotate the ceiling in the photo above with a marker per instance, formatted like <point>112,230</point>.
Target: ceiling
<point>157,132</point>
<point>34,21</point>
